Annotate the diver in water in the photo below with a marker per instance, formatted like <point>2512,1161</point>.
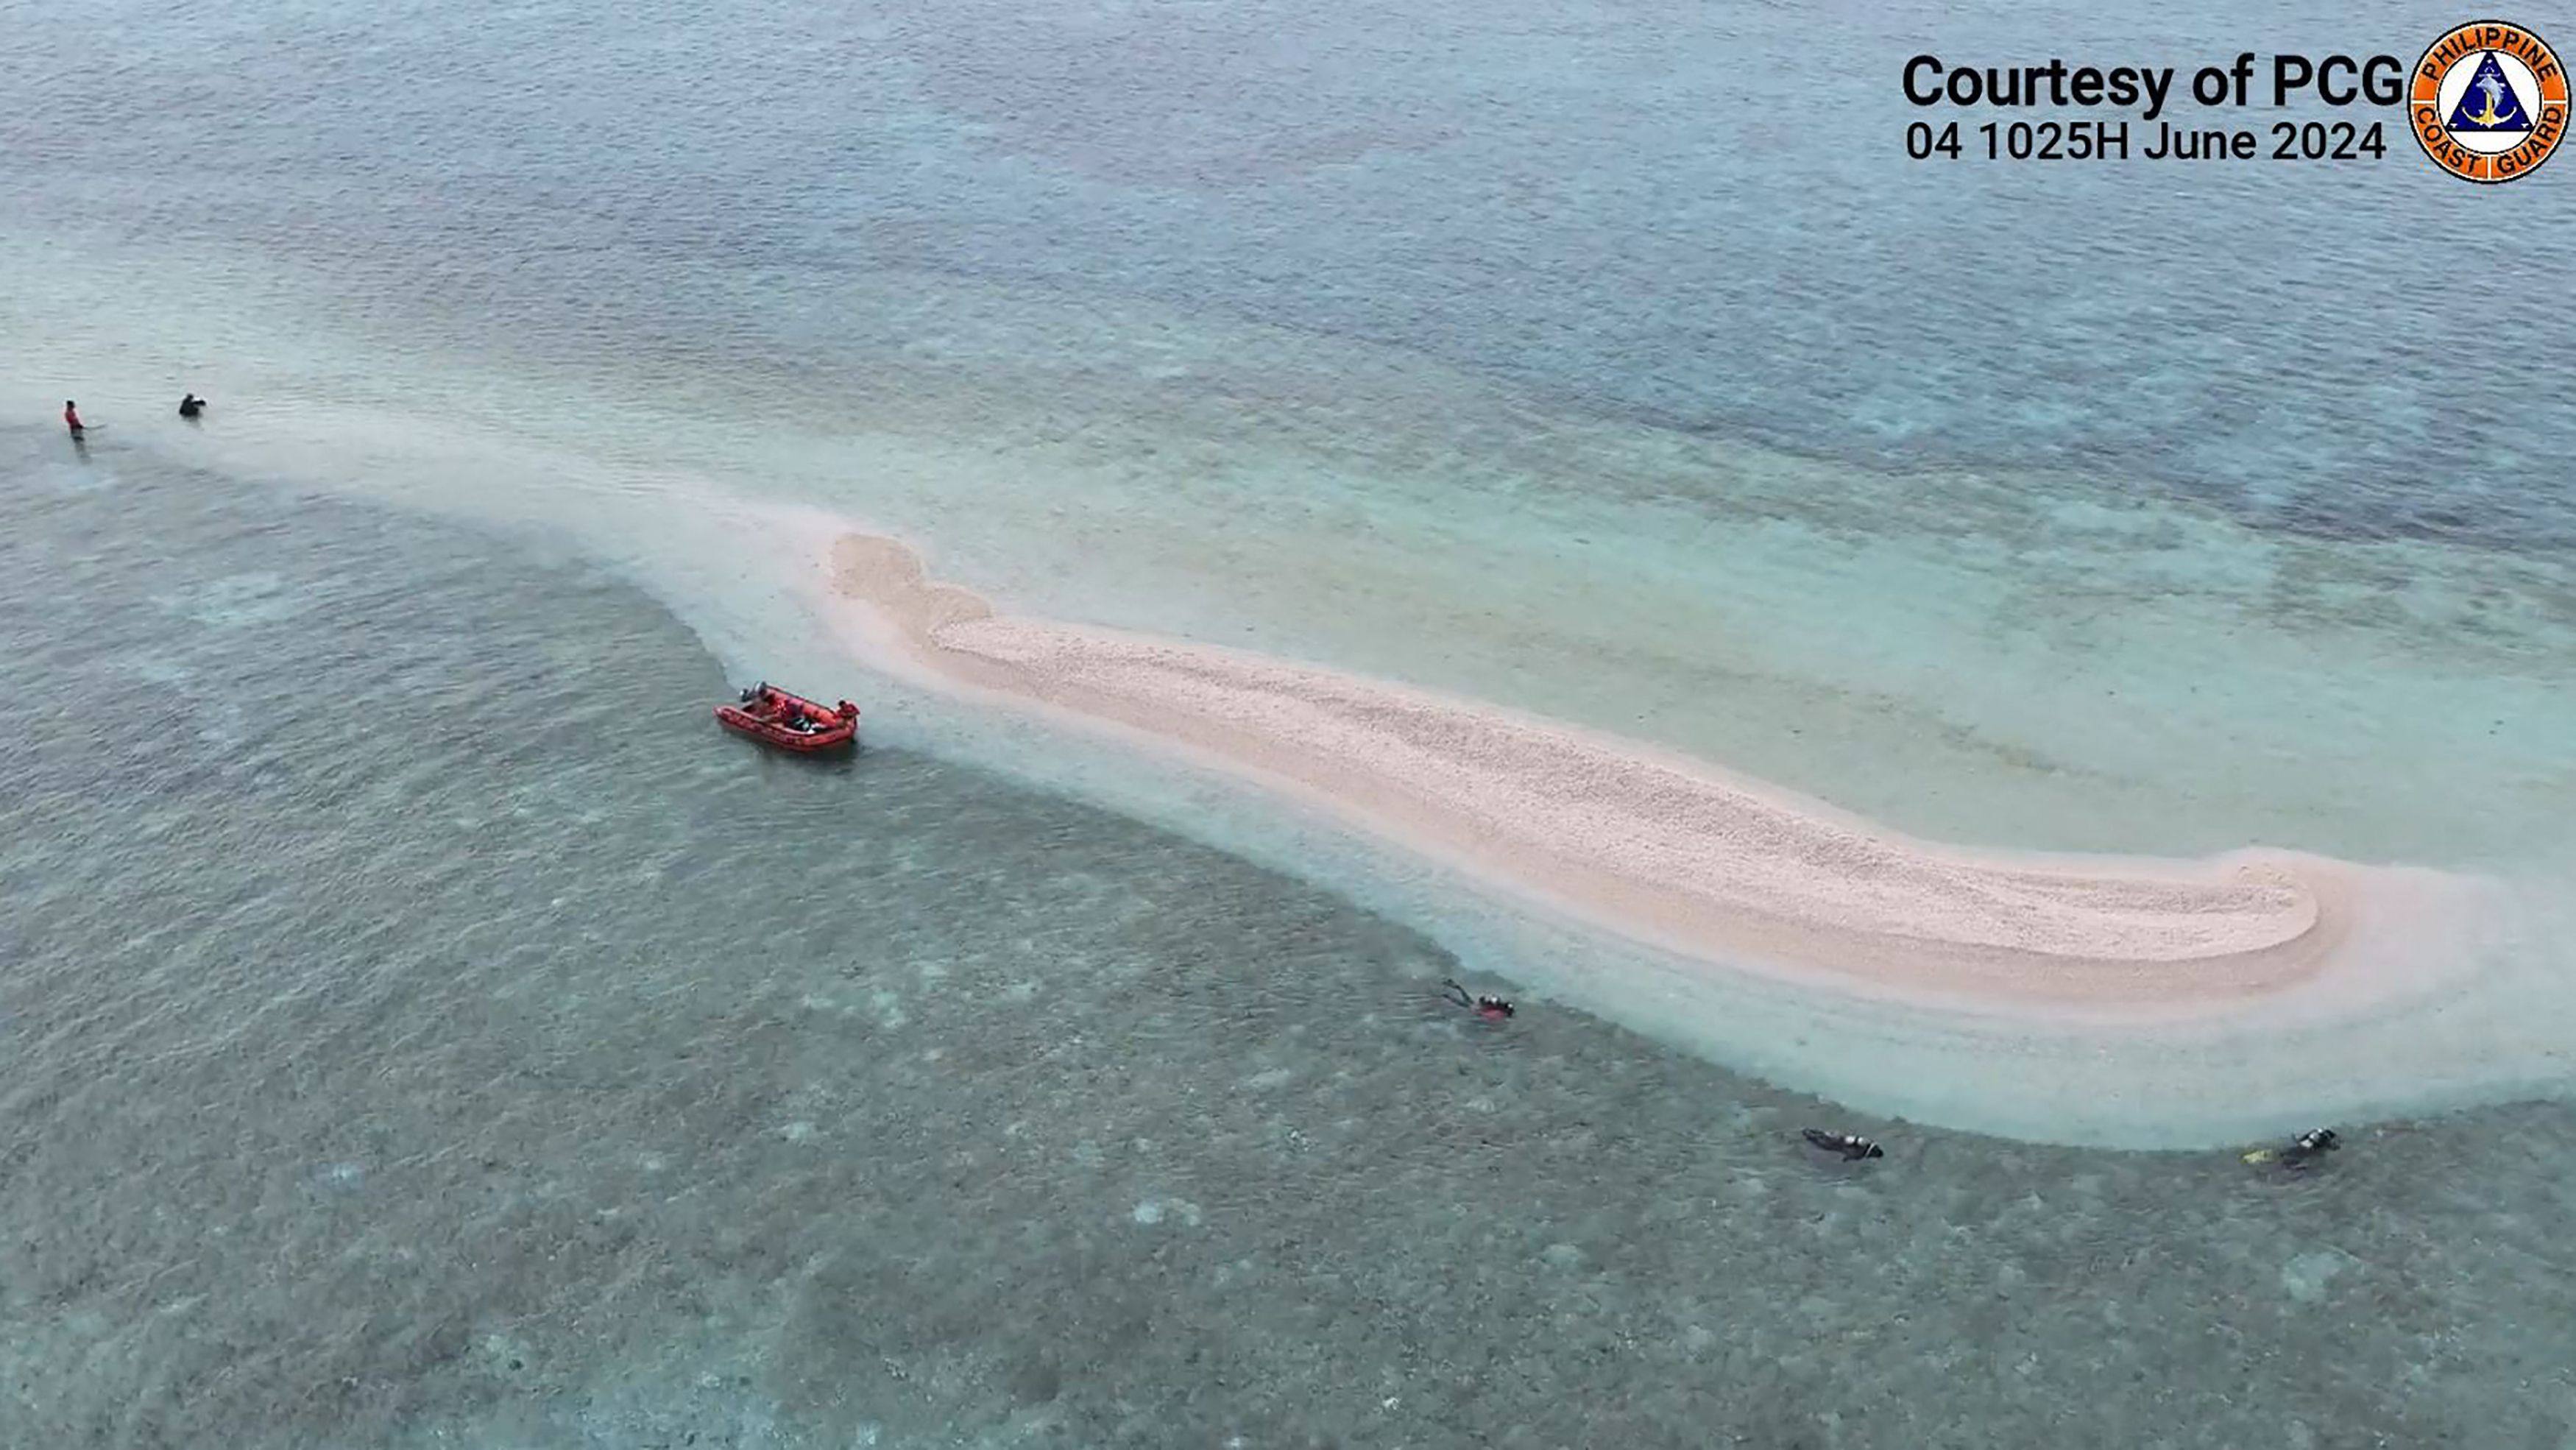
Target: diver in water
<point>2305,1149</point>
<point>1851,1146</point>
<point>2310,1146</point>
<point>1492,1009</point>
<point>191,405</point>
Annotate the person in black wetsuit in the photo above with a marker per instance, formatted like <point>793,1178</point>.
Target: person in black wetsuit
<point>2304,1149</point>
<point>191,405</point>
<point>2310,1146</point>
<point>1851,1146</point>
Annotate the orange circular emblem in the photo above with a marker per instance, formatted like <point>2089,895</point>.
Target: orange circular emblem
<point>2489,101</point>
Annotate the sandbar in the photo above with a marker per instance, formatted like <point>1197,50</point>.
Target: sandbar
<point>1660,847</point>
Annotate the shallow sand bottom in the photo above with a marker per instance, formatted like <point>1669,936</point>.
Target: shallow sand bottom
<point>1664,849</point>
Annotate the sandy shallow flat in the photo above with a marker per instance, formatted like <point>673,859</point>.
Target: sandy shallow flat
<point>1665,849</point>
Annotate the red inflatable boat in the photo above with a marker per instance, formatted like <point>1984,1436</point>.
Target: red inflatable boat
<point>772,716</point>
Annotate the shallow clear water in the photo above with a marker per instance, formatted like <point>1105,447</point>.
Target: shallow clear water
<point>1522,351</point>
<point>376,1070</point>
<point>382,1068</point>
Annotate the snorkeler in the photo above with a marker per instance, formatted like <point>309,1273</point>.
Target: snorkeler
<point>191,405</point>
<point>1852,1146</point>
<point>2305,1149</point>
<point>1492,1009</point>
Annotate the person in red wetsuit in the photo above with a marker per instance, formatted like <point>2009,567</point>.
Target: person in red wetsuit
<point>71,417</point>
<point>1492,1009</point>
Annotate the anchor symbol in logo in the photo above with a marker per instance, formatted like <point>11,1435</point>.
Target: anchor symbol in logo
<point>2503,107</point>
<point>2492,89</point>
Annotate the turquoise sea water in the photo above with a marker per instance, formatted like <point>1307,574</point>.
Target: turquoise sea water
<point>547,1071</point>
<point>379,1067</point>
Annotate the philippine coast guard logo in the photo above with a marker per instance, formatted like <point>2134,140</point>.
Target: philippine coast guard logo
<point>2489,101</point>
